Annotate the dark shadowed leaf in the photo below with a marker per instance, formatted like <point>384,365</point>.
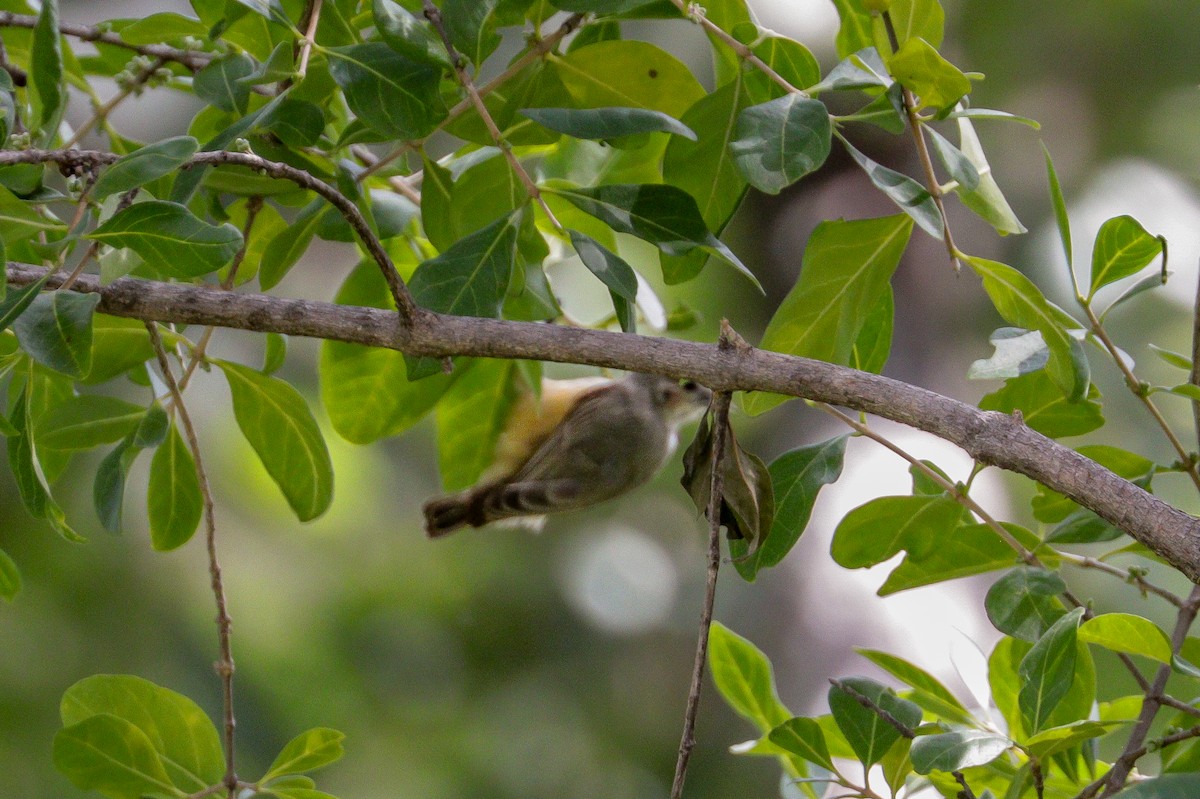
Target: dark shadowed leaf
<point>471,277</point>
<point>144,165</point>
<point>10,576</point>
<point>802,737</point>
<point>865,729</point>
<point>607,123</point>
<point>1024,602</point>
<point>911,197</point>
<point>1048,670</point>
<point>56,329</point>
<point>396,96</point>
<point>953,751</point>
<point>781,141</point>
<point>170,238</point>
<point>406,34</point>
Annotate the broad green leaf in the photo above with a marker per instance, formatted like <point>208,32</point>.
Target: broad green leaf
<point>846,268</point>
<point>918,18</point>
<point>789,59</point>
<point>1045,408</point>
<point>614,272</point>
<point>270,10</point>
<point>1018,352</point>
<point>802,737</point>
<point>471,277</point>
<point>46,71</point>
<point>860,70</point>
<point>309,750</point>
<point>14,304</point>
<point>922,70</point>
<point>1024,603</point>
<point>986,199</point>
<point>173,501</point>
<point>1057,739</point>
<point>662,215</point>
<point>108,487</point>
<point>910,196</point>
<point>437,192</point>
<point>164,26</point>
<point>1020,303</point>
<point>1048,670</point>
<point>733,17</point>
<point>1082,527</point>
<point>406,34</point>
<point>781,141</point>
<point>874,342</point>
<point>287,247</point>
<point>1122,248</point>
<point>957,750</point>
<point>867,732</point>
<point>957,165</point>
<point>481,194</point>
<point>118,345</point>
<point>1168,786</point>
<point>365,390</point>
<point>108,754</point>
<point>877,530</point>
<point>220,83</point>
<point>275,353</point>
<point>181,734</point>
<point>10,576</point>
<point>171,238</point>
<point>797,477</point>
<point>627,74</point>
<point>277,422</point>
<point>742,674</point>
<point>854,33</point>
<point>20,220</point>
<point>1124,632</point>
<point>1173,358</point>
<point>144,165</point>
<point>471,28</point>
<point>957,552</point>
<point>607,123</point>
<point>87,421</point>
<point>470,418</point>
<point>56,329</point>
<point>928,691</point>
<point>397,97</point>
<point>704,168</point>
<point>1060,216</point>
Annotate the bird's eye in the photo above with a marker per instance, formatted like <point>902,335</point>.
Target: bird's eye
<point>690,385</point>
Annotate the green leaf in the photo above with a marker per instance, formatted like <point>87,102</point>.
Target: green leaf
<point>409,36</point>
<point>46,71</point>
<point>108,487</point>
<point>986,200</point>
<point>365,390</point>
<point>1082,527</point>
<point>846,269</point>
<point>1122,248</point>
<point>471,27</point>
<point>118,345</point>
<point>929,691</point>
<point>922,70</point>
<point>1024,603</point>
<point>10,576</point>
<point>1020,303</point>
<point>918,18</point>
<point>470,418</point>
<point>802,737</point>
<point>471,277</point>
<point>1060,215</point>
<point>877,530</point>
<point>1017,352</point>
<point>171,238</point>
<point>484,192</point>
<point>952,159</point>
<point>14,304</point>
<point>874,342</point>
<point>178,731</point>
<point>1048,670</point>
<point>865,730</point>
<point>277,422</point>
<point>87,421</point>
<point>911,197</point>
<point>957,750</point>
<point>957,552</point>
<point>1173,358</point>
<point>1058,739</point>
<point>144,165</point>
<point>789,59</point>
<point>308,751</point>
<point>665,216</point>
<point>1145,284</point>
<point>286,248</point>
<point>164,26</point>
<point>628,74</point>
<point>742,674</point>
<point>1124,632</point>
<point>1045,408</point>
<point>797,477</point>
<point>173,500</point>
<point>108,754</point>
<point>275,353</point>
<point>437,192</point>
<point>397,97</point>
<point>781,141</point>
<point>56,330</point>
<point>607,123</point>
<point>610,268</point>
<point>854,33</point>
<point>861,70</point>
<point>19,220</point>
<point>221,84</point>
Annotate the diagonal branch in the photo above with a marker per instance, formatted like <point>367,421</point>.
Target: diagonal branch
<point>990,437</point>
<point>192,59</point>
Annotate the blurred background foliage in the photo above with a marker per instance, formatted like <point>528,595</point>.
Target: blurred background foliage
<point>499,664</point>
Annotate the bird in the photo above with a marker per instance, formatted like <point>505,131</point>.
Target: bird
<point>582,442</point>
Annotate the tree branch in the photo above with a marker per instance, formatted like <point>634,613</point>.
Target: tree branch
<point>192,59</point>
<point>989,437</point>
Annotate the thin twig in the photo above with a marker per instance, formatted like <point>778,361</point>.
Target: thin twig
<point>873,706</point>
<point>1194,377</point>
<point>966,792</point>
<point>695,12</point>
<point>194,60</point>
<point>310,33</point>
<point>94,247</point>
<point>398,183</point>
<point>224,666</point>
<point>687,742</point>
<point>102,111</point>
<point>1127,575</point>
<point>539,49</point>
<point>434,15</point>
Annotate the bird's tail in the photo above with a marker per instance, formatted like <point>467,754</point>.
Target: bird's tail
<point>444,515</point>
<point>510,504</point>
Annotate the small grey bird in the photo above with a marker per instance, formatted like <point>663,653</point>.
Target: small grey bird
<point>582,442</point>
